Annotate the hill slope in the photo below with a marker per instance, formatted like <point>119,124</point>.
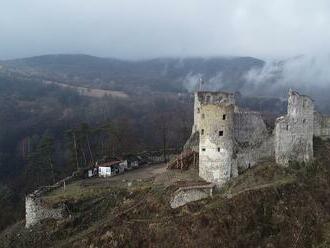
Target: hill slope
<point>267,206</point>
<point>163,74</point>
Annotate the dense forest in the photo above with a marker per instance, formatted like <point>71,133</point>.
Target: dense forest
<point>161,74</point>
<point>43,126</point>
<point>47,131</point>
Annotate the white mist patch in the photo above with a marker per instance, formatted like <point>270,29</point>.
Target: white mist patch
<point>309,73</point>
<point>192,82</point>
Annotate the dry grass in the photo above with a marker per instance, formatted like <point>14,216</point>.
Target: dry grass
<point>265,174</point>
<point>269,207</point>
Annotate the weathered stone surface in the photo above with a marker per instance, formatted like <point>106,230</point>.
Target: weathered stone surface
<point>37,211</point>
<point>216,139</point>
<point>209,97</point>
<point>185,195</point>
<point>294,132</point>
<point>249,128</point>
<point>193,142</point>
<point>321,125</point>
<point>232,139</point>
<point>253,140</point>
<point>248,156</point>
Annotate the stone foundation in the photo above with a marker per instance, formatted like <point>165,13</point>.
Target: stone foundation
<point>185,195</point>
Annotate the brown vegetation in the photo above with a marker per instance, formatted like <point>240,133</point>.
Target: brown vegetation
<point>267,206</point>
<point>184,160</point>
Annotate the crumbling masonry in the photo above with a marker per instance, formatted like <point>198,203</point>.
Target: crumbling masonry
<point>294,132</point>
<point>230,139</point>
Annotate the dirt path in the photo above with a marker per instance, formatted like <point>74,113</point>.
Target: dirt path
<point>146,172</point>
<point>142,173</point>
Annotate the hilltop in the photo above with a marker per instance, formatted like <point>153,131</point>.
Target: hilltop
<point>266,206</point>
<point>160,74</point>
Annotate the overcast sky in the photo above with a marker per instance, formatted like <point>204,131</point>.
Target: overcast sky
<point>153,28</point>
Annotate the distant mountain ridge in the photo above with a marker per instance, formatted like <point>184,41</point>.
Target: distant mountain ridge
<point>159,74</point>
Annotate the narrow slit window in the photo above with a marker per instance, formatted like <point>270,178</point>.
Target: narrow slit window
<point>287,127</point>
<point>218,149</point>
<point>220,133</point>
<point>202,131</point>
<point>203,149</point>
<point>224,117</point>
<point>198,110</point>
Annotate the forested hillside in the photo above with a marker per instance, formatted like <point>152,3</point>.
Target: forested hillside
<point>43,126</point>
<point>163,74</point>
<point>38,125</point>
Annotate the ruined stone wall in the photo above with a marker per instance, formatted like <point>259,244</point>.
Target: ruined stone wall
<point>253,141</point>
<point>216,146</point>
<point>321,125</point>
<point>294,132</point>
<point>189,194</point>
<point>209,97</point>
<point>249,156</point>
<point>245,139</point>
<point>317,124</point>
<point>36,210</point>
<point>192,143</point>
<point>249,128</point>
<point>197,106</point>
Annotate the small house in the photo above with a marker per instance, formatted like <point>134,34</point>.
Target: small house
<point>110,168</point>
<point>132,161</point>
<point>87,172</point>
<point>124,164</point>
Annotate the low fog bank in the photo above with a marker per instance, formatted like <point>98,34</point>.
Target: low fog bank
<point>308,74</point>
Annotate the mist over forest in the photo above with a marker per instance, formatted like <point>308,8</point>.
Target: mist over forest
<point>38,120</point>
<point>112,83</point>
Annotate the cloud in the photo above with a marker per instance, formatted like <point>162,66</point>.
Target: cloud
<point>153,28</point>
<point>193,82</point>
<point>308,73</point>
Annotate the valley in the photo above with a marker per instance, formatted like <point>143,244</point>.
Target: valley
<point>90,92</point>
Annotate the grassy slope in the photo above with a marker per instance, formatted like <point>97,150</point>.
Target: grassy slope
<point>267,206</point>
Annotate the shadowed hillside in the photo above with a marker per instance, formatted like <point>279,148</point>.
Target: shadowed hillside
<point>163,74</point>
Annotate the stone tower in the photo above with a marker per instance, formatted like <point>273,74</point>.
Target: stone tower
<point>215,123</point>
<point>294,132</point>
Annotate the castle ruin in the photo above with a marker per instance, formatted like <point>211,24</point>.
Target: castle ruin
<point>294,132</point>
<point>230,139</point>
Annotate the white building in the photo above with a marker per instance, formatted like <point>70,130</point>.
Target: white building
<point>110,168</point>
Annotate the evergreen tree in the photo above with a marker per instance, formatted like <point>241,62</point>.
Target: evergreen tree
<point>40,169</point>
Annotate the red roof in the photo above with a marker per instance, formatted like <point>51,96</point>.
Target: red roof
<point>109,164</point>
